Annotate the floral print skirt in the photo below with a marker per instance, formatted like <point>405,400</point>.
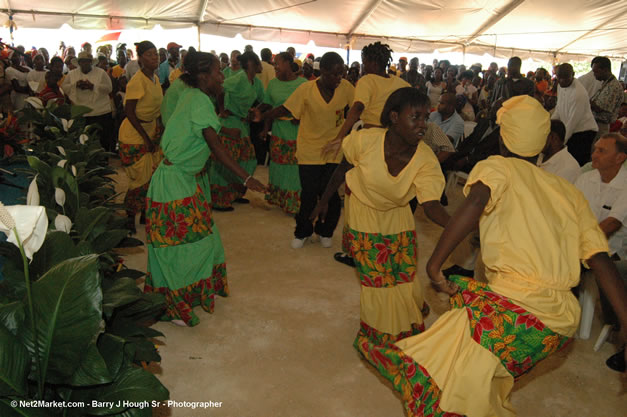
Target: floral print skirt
<point>284,180</point>
<point>517,338</point>
<point>185,255</point>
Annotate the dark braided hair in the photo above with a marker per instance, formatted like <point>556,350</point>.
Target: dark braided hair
<point>378,52</point>
<point>196,63</point>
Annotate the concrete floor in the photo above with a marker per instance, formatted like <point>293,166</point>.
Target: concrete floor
<point>281,343</point>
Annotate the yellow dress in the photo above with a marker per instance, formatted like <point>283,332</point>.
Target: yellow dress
<point>382,233</point>
<point>534,231</point>
<point>138,162</point>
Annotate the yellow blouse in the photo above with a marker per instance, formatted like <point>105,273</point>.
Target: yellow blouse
<point>378,192</point>
<point>148,94</point>
<point>534,231</point>
<point>373,91</point>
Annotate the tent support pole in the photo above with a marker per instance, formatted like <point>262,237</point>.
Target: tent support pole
<point>198,27</point>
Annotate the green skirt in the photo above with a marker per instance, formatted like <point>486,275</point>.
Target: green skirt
<point>284,180</point>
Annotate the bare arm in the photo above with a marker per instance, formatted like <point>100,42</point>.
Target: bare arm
<point>224,157</point>
<point>612,286</point>
<point>334,183</point>
<point>609,226</point>
<point>353,115</point>
<point>435,212</point>
<point>465,220</point>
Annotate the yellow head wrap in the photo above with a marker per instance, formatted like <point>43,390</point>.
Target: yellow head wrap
<point>525,125</point>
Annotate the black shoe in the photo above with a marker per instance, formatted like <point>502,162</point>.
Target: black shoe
<point>458,270</point>
<point>241,200</point>
<point>616,362</point>
<point>223,208</point>
<point>142,218</point>
<point>345,259</point>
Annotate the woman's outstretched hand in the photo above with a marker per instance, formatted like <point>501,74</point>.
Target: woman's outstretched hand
<point>256,185</point>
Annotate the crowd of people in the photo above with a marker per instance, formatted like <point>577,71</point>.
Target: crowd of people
<point>192,127</point>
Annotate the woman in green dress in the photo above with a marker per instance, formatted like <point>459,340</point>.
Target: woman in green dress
<point>241,92</point>
<point>284,182</point>
<point>185,254</point>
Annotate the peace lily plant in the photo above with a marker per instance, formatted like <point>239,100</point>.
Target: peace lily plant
<point>73,323</point>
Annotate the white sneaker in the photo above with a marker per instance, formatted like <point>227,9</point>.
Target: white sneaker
<point>326,242</point>
<point>298,243</point>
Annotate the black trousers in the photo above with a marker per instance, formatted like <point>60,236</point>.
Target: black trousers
<point>580,146</point>
<point>107,132</point>
<point>313,181</point>
<point>260,145</point>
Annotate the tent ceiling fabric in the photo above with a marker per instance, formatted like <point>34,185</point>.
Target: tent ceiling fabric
<point>530,28</point>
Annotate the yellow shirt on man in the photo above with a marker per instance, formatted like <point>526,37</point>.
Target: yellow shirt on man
<point>320,122</point>
<point>267,73</point>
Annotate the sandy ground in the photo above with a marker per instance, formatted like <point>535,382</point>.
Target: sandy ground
<point>281,343</point>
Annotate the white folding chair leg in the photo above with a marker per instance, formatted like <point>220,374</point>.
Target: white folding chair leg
<point>587,300</point>
<point>605,332</point>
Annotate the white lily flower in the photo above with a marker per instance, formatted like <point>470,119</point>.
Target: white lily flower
<point>63,223</point>
<point>73,170</point>
<point>61,150</point>
<point>62,163</point>
<point>32,197</point>
<point>35,102</point>
<point>59,196</point>
<point>83,138</point>
<point>31,223</point>
<point>65,124</point>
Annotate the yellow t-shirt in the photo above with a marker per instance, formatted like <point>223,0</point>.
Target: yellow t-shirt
<point>534,231</point>
<point>117,71</point>
<point>373,91</point>
<point>267,73</point>
<point>384,199</point>
<point>320,122</point>
<point>174,75</point>
<point>149,95</point>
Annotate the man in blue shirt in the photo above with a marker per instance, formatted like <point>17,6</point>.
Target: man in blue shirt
<point>169,64</point>
<point>447,118</point>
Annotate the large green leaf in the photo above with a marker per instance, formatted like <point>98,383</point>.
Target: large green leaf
<point>93,369</point>
<point>108,240</point>
<point>7,410</point>
<point>78,111</point>
<point>12,316</point>
<point>67,302</point>
<point>87,219</point>
<point>123,291</point>
<point>40,166</point>
<point>15,364</point>
<point>57,247</point>
<point>131,384</point>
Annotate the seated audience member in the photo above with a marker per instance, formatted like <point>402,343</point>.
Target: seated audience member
<point>447,118</point>
<point>555,157</point>
<point>605,188</point>
<point>52,90</point>
<point>573,109</point>
<point>470,92</point>
<point>622,116</point>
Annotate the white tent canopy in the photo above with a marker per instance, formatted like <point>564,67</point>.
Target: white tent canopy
<point>561,29</point>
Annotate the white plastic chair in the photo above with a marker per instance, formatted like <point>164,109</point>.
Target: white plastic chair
<point>588,295</point>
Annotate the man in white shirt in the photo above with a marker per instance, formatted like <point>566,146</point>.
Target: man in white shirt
<point>90,86</point>
<point>605,188</point>
<point>448,119</point>
<point>589,81</point>
<point>555,157</point>
<point>573,108</point>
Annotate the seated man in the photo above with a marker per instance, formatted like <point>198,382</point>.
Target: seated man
<point>555,157</point>
<point>605,188</point>
<point>447,118</point>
